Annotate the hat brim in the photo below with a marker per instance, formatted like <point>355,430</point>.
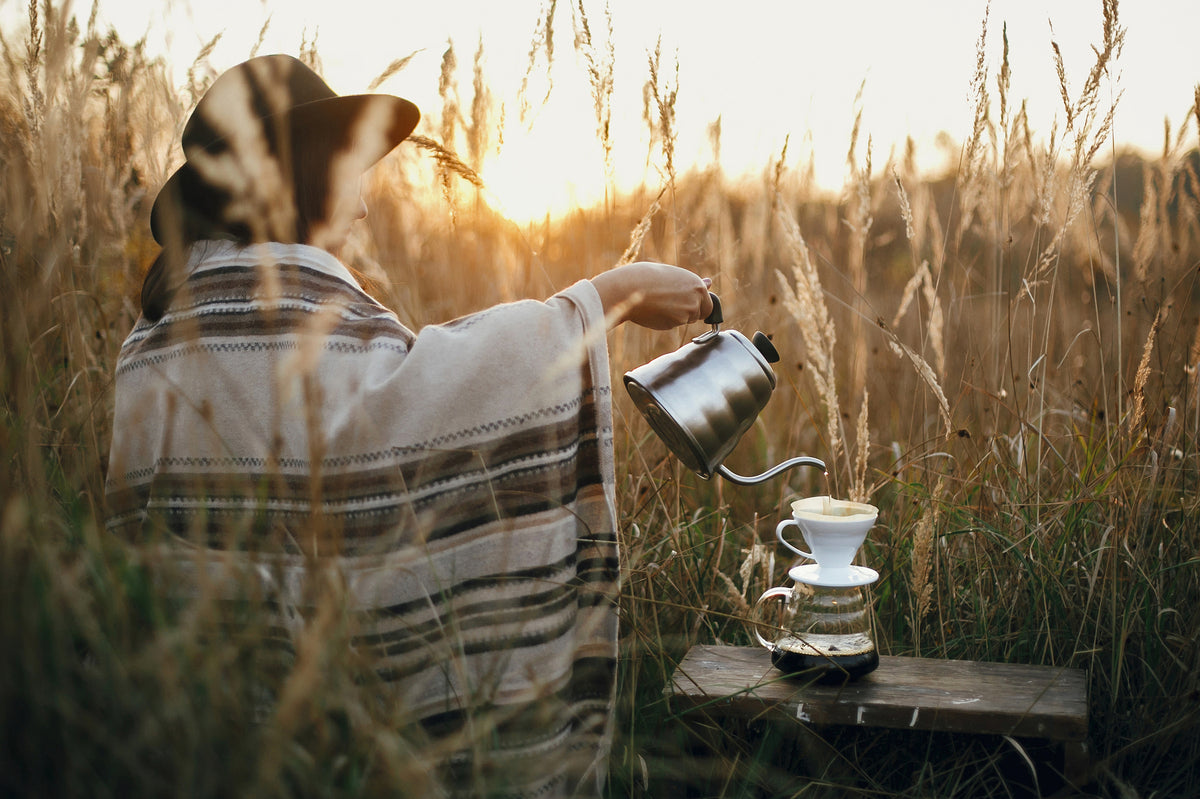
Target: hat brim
<point>364,127</point>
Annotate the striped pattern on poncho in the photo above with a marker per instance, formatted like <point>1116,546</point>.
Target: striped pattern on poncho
<point>460,479</point>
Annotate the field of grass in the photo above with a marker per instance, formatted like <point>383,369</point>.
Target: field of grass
<point>1003,359</point>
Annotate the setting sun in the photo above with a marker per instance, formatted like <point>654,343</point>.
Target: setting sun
<point>550,168</point>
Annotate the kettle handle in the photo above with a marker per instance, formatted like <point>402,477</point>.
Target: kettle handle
<point>715,318</point>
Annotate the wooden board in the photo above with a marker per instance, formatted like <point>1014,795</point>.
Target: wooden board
<point>903,693</point>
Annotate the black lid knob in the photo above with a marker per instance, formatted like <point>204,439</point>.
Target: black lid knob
<point>764,346</point>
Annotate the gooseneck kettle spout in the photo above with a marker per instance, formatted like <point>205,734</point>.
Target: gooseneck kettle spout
<point>802,460</point>
<point>703,397</point>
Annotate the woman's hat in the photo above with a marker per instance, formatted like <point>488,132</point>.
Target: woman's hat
<point>241,140</point>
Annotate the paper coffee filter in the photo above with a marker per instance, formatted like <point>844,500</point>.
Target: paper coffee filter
<point>819,509</point>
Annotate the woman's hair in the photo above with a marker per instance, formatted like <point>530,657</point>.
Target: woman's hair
<point>203,214</point>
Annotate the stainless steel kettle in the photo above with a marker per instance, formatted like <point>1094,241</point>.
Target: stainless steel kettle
<point>703,397</point>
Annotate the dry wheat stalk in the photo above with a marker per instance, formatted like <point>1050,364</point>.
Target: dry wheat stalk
<point>659,108</point>
<point>906,212</point>
<point>1061,71</point>
<point>1004,80</point>
<point>639,232</point>
<point>859,219</point>
<point>923,552</point>
<point>1145,247</point>
<point>936,329</point>
<point>1142,376</point>
<point>936,235</point>
<point>969,186</point>
<point>1196,108</point>
<point>851,160</point>
<point>805,301</point>
<point>910,292</point>
<point>448,92</point>
<point>309,52</point>
<point>924,371</point>
<point>862,443</point>
<point>600,71</point>
<point>758,555</point>
<point>447,160</point>
<point>734,593</point>
<point>35,103</point>
<point>922,279</point>
<point>1114,40</point>
<point>479,127</point>
<point>391,69</point>
<point>1081,123</point>
<point>258,43</point>
<point>860,216</point>
<point>196,85</point>
<point>543,42</point>
<point>780,168</point>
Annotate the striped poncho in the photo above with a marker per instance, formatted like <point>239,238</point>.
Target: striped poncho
<point>460,479</point>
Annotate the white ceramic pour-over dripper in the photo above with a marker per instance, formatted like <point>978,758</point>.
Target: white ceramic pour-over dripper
<point>834,529</point>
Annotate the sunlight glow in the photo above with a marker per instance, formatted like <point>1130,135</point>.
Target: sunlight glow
<point>773,71</point>
<point>548,170</point>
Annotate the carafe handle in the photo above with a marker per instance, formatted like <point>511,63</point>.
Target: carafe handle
<point>782,592</point>
<point>784,541</point>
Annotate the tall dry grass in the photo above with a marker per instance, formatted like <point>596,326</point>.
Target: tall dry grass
<point>1025,327</point>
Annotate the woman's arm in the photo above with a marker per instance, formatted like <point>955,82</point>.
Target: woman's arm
<point>653,295</point>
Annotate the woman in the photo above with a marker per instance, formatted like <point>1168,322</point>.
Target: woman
<point>271,413</point>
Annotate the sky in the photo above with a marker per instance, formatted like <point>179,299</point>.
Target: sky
<point>770,70</point>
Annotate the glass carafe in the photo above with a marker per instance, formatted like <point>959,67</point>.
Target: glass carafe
<point>820,631</point>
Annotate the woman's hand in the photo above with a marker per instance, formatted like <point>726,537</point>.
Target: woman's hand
<point>657,296</point>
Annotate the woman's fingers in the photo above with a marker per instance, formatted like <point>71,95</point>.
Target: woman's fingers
<point>654,295</point>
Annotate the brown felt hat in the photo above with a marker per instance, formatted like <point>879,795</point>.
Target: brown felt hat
<point>238,142</point>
